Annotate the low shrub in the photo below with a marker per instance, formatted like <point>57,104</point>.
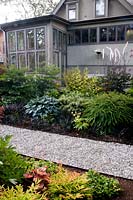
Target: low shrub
<point>2,111</point>
<point>68,185</point>
<point>12,165</point>
<point>105,112</point>
<point>75,80</point>
<point>102,188</point>
<point>115,80</point>
<point>18,193</point>
<point>46,108</point>
<point>72,103</point>
<point>14,114</point>
<point>16,86</point>
<point>33,164</point>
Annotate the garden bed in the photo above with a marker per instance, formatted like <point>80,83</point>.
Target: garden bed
<point>126,185</point>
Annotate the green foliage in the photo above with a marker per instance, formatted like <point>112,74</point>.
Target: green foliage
<point>68,186</point>
<point>106,111</point>
<point>75,80</point>
<point>45,107</point>
<point>33,164</point>
<point>17,193</point>
<point>72,104</point>
<point>102,188</point>
<point>18,87</point>
<point>14,113</point>
<point>12,165</point>
<point>116,81</point>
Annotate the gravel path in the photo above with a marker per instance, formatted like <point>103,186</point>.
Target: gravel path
<point>109,158</point>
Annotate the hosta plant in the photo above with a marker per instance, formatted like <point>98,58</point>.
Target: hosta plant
<point>45,107</point>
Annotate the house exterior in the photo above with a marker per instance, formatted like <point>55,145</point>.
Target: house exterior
<point>97,34</point>
<point>1,47</point>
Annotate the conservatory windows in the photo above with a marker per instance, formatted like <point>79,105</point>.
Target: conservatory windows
<point>20,39</point>
<point>40,38</point>
<point>30,39</point>
<point>12,41</point>
<point>27,47</point>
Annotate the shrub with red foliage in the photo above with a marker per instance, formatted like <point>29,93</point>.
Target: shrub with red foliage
<point>40,177</point>
<point>2,109</point>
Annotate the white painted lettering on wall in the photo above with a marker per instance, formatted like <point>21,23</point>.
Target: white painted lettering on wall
<point>116,55</point>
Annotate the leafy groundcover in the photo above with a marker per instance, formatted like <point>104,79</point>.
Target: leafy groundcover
<point>26,178</point>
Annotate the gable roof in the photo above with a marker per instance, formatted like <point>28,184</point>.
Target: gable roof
<point>58,6</point>
<point>128,4</point>
<point>130,1</point>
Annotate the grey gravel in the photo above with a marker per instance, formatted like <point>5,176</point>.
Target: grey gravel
<point>109,158</point>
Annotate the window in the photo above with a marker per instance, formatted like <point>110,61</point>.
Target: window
<point>21,60</point>
<point>77,36</point>
<point>71,38</point>
<point>103,34</point>
<point>72,11</point>
<point>12,59</point>
<point>40,38</point>
<point>56,58</point>
<point>12,41</point>
<point>100,8</point>
<point>85,36</point>
<point>72,14</point>
<point>31,61</point>
<point>111,34</point>
<point>121,33</point>
<point>129,32</point>
<point>20,40</point>
<point>93,35</point>
<point>41,59</point>
<point>30,39</point>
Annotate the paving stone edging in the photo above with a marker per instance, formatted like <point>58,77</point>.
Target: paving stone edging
<point>108,158</point>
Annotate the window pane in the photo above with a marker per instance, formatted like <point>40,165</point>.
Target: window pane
<point>54,38</point>
<point>103,34</point>
<point>112,33</point>
<point>31,61</point>
<point>12,41</point>
<point>71,38</point>
<point>12,59</point>
<point>77,37</point>
<point>30,39</point>
<point>21,60</point>
<point>41,59</point>
<point>60,40</point>
<point>129,32</point>
<point>40,38</point>
<point>121,33</point>
<point>64,42</point>
<point>20,40</point>
<point>93,35</point>
<point>56,59</point>
<point>85,36</point>
<point>72,14</point>
<point>100,7</point>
